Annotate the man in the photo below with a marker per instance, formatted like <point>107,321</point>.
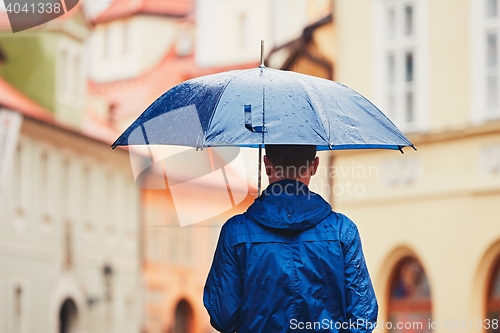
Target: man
<point>290,263</point>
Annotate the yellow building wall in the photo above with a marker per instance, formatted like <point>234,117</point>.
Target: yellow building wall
<point>438,203</point>
<point>449,36</point>
<point>447,218</point>
<point>354,26</point>
<point>447,49</point>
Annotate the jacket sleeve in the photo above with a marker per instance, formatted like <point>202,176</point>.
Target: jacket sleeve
<point>223,288</point>
<point>361,302</point>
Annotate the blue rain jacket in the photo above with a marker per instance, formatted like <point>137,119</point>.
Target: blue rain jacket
<point>289,264</point>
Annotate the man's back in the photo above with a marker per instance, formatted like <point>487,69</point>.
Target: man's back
<point>289,263</point>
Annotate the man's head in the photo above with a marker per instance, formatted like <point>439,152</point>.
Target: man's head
<point>291,162</point>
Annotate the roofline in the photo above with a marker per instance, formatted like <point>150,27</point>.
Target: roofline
<point>58,126</point>
<point>98,20</point>
<point>301,42</point>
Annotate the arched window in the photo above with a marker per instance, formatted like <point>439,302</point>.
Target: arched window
<point>409,299</point>
<point>68,317</point>
<point>183,318</point>
<point>493,304</point>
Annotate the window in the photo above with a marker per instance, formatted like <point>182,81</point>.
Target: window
<point>410,298</point>
<point>180,244</point>
<point>400,51</point>
<point>106,42</point>
<point>401,67</point>
<point>18,188</point>
<point>63,76</point>
<point>65,189</point>
<point>154,321</point>
<point>126,38</point>
<point>76,78</point>
<point>492,8</point>
<point>130,211</point>
<point>184,45</point>
<point>130,308</point>
<point>70,72</point>
<point>86,200</point>
<point>3,310</point>
<point>493,303</point>
<point>155,244</point>
<point>485,57</point>
<point>183,318</point>
<point>68,317</point>
<point>110,205</point>
<point>491,30</point>
<point>244,31</point>
<point>44,189</point>
<point>491,70</point>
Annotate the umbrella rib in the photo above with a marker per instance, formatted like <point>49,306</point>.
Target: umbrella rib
<point>350,120</point>
<point>218,101</point>
<point>319,134</point>
<point>380,120</point>
<point>312,108</point>
<point>327,140</point>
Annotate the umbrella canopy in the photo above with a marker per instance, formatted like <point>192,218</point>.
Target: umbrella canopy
<point>255,107</point>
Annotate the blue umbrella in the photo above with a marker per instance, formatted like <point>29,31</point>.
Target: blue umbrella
<point>255,107</point>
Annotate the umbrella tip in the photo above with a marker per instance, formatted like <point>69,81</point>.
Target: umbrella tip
<point>262,53</point>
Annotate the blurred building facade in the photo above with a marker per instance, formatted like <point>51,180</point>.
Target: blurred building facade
<point>126,80</point>
<point>428,219</point>
<point>69,210</point>
<point>141,49</point>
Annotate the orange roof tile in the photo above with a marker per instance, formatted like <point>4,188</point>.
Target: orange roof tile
<point>4,21</point>
<point>124,8</point>
<point>92,127</point>
<point>131,97</point>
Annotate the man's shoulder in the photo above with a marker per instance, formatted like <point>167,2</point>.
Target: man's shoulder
<point>343,219</point>
<point>237,225</point>
<point>236,222</point>
<point>339,222</point>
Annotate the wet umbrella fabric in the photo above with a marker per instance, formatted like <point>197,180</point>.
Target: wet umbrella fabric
<point>255,107</point>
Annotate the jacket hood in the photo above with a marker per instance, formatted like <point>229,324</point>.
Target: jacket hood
<point>290,205</point>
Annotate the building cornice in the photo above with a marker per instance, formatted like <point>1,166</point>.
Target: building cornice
<point>439,136</point>
<point>492,127</point>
